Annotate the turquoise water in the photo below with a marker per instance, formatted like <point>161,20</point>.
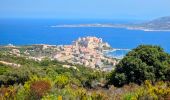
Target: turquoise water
<point>25,32</point>
<point>119,54</point>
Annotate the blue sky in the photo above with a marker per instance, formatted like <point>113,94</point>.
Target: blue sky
<point>85,9</point>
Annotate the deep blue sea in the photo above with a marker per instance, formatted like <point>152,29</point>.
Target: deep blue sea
<point>32,31</point>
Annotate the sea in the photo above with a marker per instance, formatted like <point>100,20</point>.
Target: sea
<point>39,31</point>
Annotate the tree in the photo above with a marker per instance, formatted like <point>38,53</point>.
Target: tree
<point>145,62</point>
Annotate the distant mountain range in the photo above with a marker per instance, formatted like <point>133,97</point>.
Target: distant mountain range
<point>160,24</point>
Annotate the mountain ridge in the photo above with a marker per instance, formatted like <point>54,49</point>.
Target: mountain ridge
<point>159,24</point>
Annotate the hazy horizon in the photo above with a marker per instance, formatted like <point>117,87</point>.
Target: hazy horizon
<point>88,9</point>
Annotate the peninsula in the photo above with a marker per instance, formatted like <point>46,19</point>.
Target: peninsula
<point>159,24</point>
<point>87,51</point>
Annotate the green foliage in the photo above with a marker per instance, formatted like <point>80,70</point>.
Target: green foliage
<point>61,81</point>
<point>49,80</point>
<point>8,93</point>
<point>98,96</point>
<point>148,91</point>
<point>22,93</point>
<point>129,96</point>
<point>52,97</point>
<point>3,69</point>
<point>143,63</point>
<point>45,62</point>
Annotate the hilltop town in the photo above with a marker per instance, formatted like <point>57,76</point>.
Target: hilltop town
<point>87,51</point>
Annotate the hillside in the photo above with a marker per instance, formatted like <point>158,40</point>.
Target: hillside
<point>87,51</point>
<point>160,24</point>
<point>53,80</point>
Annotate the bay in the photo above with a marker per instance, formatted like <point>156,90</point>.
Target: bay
<point>27,32</point>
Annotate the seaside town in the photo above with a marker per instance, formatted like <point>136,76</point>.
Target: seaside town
<point>87,51</point>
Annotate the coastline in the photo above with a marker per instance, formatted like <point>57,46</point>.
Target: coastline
<point>116,53</point>
<point>147,30</point>
<point>107,26</point>
<point>111,53</point>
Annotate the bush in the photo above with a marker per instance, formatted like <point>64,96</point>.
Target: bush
<point>7,93</point>
<point>61,81</point>
<point>143,63</point>
<point>99,96</point>
<point>39,88</point>
<point>149,91</point>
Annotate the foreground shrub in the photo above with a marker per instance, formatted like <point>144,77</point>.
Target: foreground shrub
<point>61,81</point>
<point>143,63</point>
<point>52,97</point>
<point>22,93</point>
<point>99,96</point>
<point>7,93</point>
<point>160,90</point>
<point>149,91</point>
<point>39,88</point>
